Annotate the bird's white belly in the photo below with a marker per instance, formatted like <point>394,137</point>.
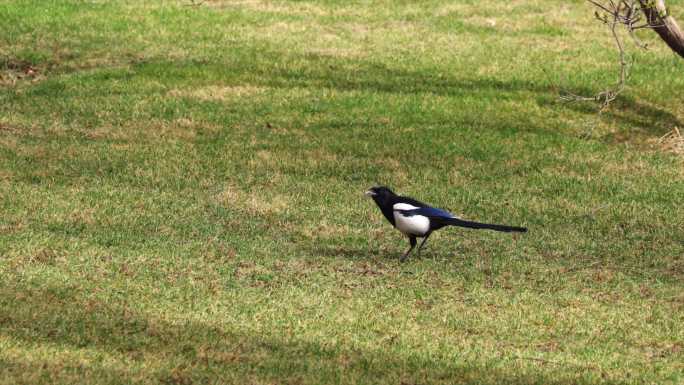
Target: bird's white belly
<point>414,225</point>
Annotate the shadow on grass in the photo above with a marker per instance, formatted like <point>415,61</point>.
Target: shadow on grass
<point>276,69</point>
<point>369,76</point>
<point>644,119</point>
<point>270,67</point>
<point>392,255</point>
<point>154,350</point>
<point>323,71</point>
<point>352,253</point>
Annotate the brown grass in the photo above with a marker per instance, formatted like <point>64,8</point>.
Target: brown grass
<point>259,204</point>
<point>673,142</point>
<point>302,9</point>
<point>221,93</point>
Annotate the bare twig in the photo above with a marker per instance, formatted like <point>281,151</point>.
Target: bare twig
<point>615,14</point>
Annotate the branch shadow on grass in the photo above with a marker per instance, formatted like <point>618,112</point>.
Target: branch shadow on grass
<point>377,77</point>
<point>645,119</point>
<point>344,74</point>
<point>153,350</point>
<point>256,67</point>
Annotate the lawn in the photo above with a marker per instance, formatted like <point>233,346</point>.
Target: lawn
<point>181,195</point>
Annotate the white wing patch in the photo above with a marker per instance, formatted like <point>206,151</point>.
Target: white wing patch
<point>413,225</point>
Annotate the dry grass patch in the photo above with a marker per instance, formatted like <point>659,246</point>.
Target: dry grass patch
<point>22,72</point>
<point>265,160</point>
<point>673,142</point>
<point>82,216</point>
<point>318,157</point>
<point>287,33</point>
<point>259,203</point>
<point>46,256</point>
<point>296,8</point>
<point>12,226</point>
<point>398,171</point>
<point>185,129</point>
<point>7,128</point>
<point>635,165</point>
<point>337,52</point>
<point>360,30</point>
<point>325,230</point>
<point>220,93</point>
<point>517,15</point>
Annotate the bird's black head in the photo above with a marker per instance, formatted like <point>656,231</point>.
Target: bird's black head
<point>384,198</point>
<point>379,191</point>
<point>381,195</point>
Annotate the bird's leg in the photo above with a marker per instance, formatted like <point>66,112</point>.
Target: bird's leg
<point>413,242</point>
<point>423,243</point>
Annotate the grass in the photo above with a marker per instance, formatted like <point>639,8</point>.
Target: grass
<point>181,195</point>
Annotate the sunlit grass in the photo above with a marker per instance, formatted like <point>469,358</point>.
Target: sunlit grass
<point>181,195</point>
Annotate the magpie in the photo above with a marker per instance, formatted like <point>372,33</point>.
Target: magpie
<point>416,219</point>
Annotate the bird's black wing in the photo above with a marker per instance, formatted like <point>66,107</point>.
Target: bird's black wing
<point>430,212</point>
<point>411,201</point>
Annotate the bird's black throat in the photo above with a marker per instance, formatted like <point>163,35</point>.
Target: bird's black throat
<point>385,199</point>
<point>385,203</point>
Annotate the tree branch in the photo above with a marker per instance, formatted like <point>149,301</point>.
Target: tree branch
<point>614,14</point>
<point>660,20</point>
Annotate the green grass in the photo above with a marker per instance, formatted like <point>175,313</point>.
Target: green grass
<point>181,195</point>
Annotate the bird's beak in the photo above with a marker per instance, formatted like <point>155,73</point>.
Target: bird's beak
<point>370,193</point>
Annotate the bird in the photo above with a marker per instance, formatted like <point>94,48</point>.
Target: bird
<point>416,219</point>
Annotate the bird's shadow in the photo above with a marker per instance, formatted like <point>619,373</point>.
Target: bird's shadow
<point>378,253</point>
<point>352,253</point>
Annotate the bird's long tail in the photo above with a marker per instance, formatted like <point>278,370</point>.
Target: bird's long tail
<point>478,225</point>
